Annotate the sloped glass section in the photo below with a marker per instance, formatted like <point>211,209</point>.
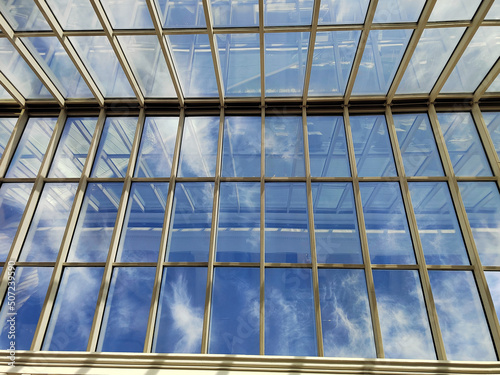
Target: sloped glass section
<point>494,12</point>
<point>6,127</point>
<point>181,13</point>
<point>389,11</point>
<point>495,86</point>
<point>288,12</point>
<point>332,12</point>
<point>75,14</point>
<point>128,14</point>
<point>235,13</point>
<point>23,15</point>
<point>454,10</point>
<point>492,120</point>
<point>4,94</point>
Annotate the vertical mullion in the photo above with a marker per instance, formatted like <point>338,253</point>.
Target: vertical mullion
<point>310,53</point>
<point>262,56</point>
<point>14,139</point>
<point>262,228</point>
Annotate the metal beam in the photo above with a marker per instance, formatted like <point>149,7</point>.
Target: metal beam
<point>12,90</point>
<point>487,81</point>
<point>312,42</point>
<point>262,53</point>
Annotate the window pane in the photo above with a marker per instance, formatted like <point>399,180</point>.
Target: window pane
<point>342,11</point>
<point>335,223</point>
<point>403,317</point>
<point>372,146</point>
<point>461,318</point>
<point>157,147</point>
<point>234,325</point>
<point>73,147</point>
<point>386,225</point>
<point>128,14</point>
<point>179,14</point>
<point>345,314</point>
<point>289,312</point>
<point>451,10</point>
<point>75,14</point>
<point>398,11</point>
<point>115,146</point>
<point>6,127</point>
<point>235,13</point>
<point>495,86</point>
<point>179,322</point>
<point>493,279</point>
<point>49,223</point>
<point>73,312</point>
<point>189,235</point>
<point>492,120</point>
<point>129,299</point>
<point>287,12</point>
<point>95,223</point>
<point>23,15</point>
<point>286,223</point>
<point>284,145</point>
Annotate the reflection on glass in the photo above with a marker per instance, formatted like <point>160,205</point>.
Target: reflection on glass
<point>31,148</point>
<point>342,11</point>
<point>179,322</point>
<point>478,58</point>
<point>461,318</point>
<point>73,147</point>
<point>114,148</point>
<point>438,227</point>
<point>194,64</point>
<point>13,199</point>
<point>127,310</point>
<point>289,312</point>
<point>286,223</point>
<point>199,147</point>
<point>327,146</point>
<point>335,223</point>
<point>482,204</point>
<point>345,314</point>
<point>285,63</point>
<point>417,145</point>
<point>75,14</point>
<point>241,147</point>
<point>235,13</point>
<point>6,127</point>
<point>96,222</point>
<point>386,225</point>
<point>429,58</point>
<point>240,63</point>
<point>48,223</point>
<point>403,317</point>
<point>73,312</point>
<point>238,234</point>
<point>284,144</point>
<point>128,14</point>
<point>332,62</point>
<point>148,63</point>
<point>464,147</point>
<point>234,324</point>
<point>179,14</point>
<point>31,286</point>
<point>493,279</point>
<point>189,234</point>
<point>492,120</point>
<point>157,147</point>
<point>23,15</point>
<point>287,12</point>
<point>141,233</point>
<point>452,10</point>
<point>383,52</point>
<point>372,146</point>
<point>398,11</point>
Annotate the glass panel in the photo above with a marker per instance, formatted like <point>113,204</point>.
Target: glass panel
<point>199,147</point>
<point>96,222</point>
<point>493,279</point>
<point>464,147</point>
<point>284,145</point>
<point>31,284</point>
<point>194,65</point>
<point>179,322</point>
<point>494,12</point>
<point>289,312</point>
<point>327,146</point>
<point>495,86</point>
<point>286,223</point>
<point>73,312</point>
<point>438,227</point>
<point>179,14</point>
<point>403,317</point>
<point>381,58</point>
<point>6,127</point>
<point>75,14</point>
<point>141,233</point>
<point>482,204</point>
<point>342,11</point>
<point>428,60</point>
<point>492,120</point>
<point>332,61</point>
<point>13,199</point>
<point>398,11</point>
<point>73,147</point>
<point>128,14</point>
<point>335,223</point>
<point>157,147</point>
<point>23,15</point>
<point>234,327</point>
<point>461,318</point>
<point>452,10</point>
<point>54,60</point>
<point>285,63</point>
<point>100,59</point>
<point>480,55</point>
<point>241,147</point>
<point>417,145</point>
<point>386,225</point>
<point>114,148</point>
<point>146,59</point>
<point>345,314</point>
<point>49,223</point>
<point>129,299</point>
<point>287,12</point>
<point>372,146</point>
<point>4,94</point>
<point>240,63</point>
<point>235,13</point>
<point>238,235</point>
<point>189,235</point>
<point>31,148</point>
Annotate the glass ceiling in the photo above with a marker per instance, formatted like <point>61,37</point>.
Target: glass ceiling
<point>343,50</point>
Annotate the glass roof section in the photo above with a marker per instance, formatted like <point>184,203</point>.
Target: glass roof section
<point>75,14</point>
<point>453,10</point>
<point>333,12</point>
